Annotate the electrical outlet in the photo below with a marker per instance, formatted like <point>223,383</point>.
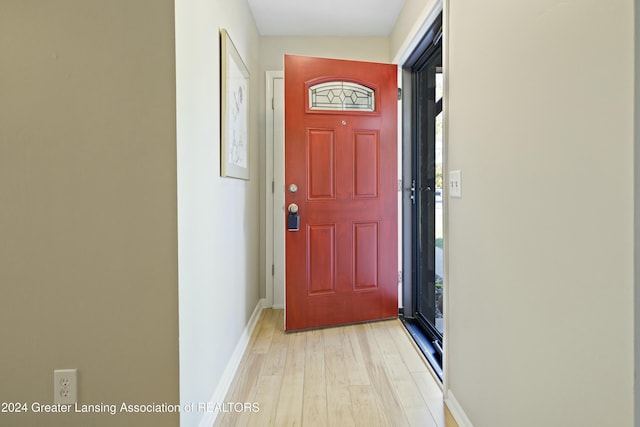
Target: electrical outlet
<point>65,386</point>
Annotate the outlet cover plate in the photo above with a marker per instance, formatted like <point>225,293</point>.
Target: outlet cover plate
<point>65,386</point>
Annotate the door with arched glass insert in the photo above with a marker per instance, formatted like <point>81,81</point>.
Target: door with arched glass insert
<point>341,192</point>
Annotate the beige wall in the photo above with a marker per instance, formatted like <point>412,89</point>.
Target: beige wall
<point>540,276</point>
<point>412,18</point>
<point>88,246</point>
<point>273,49</point>
<point>219,234</point>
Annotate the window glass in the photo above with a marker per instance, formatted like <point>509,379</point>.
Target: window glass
<point>341,96</point>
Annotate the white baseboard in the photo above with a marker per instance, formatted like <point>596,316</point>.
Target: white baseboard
<point>230,371</point>
<point>456,410</point>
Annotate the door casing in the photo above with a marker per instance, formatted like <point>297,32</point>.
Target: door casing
<point>274,190</point>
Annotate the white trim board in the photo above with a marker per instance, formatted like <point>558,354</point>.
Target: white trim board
<point>269,76</point>
<point>456,410</point>
<point>274,167</point>
<point>229,373</point>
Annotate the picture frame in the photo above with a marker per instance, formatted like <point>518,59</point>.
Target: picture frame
<point>234,111</point>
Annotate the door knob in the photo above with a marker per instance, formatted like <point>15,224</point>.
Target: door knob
<point>293,219</point>
<point>293,188</point>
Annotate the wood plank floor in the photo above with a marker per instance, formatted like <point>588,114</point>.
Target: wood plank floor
<point>366,375</point>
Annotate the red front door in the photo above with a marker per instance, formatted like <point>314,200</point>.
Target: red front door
<point>341,172</point>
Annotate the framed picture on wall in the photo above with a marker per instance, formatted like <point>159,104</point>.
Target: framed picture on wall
<point>234,122</point>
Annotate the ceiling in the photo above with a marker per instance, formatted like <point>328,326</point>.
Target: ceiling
<point>325,17</point>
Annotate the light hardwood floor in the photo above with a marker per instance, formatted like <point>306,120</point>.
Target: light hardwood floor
<point>368,375</point>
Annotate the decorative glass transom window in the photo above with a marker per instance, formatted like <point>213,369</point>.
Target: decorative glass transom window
<point>341,96</point>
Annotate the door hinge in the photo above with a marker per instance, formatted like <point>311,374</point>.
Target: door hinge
<point>273,104</point>
<point>400,277</point>
<point>399,94</point>
<point>273,269</point>
<point>399,185</point>
<point>273,186</point>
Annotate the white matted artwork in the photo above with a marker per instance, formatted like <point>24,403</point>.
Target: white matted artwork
<point>234,89</point>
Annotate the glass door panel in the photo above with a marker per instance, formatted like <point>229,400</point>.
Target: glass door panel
<point>429,196</point>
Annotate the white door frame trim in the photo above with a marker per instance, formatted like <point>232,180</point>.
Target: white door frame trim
<point>270,208</point>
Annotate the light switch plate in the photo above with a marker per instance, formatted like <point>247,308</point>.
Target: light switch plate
<point>455,184</point>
